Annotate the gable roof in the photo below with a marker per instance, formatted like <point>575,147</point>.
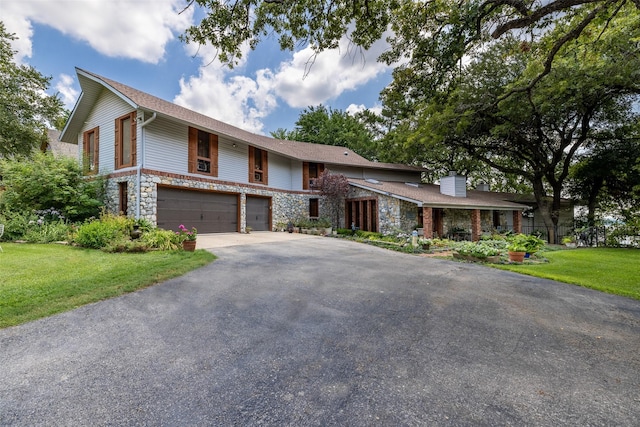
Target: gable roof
<point>429,195</point>
<point>93,84</point>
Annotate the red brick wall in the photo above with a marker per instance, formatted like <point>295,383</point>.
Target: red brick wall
<point>517,221</point>
<point>476,225</point>
<point>427,221</point>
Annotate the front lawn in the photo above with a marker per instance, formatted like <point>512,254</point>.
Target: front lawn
<point>40,280</point>
<point>615,271</point>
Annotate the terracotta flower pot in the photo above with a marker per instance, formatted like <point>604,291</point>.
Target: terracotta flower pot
<point>516,256</point>
<point>189,245</point>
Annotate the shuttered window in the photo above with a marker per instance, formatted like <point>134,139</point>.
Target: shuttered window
<point>310,171</point>
<point>126,131</point>
<point>90,144</point>
<point>203,152</point>
<point>258,166</point>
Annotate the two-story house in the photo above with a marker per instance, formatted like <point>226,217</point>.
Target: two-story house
<point>172,166</point>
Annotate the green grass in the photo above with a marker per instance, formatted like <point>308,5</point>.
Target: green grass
<point>40,280</point>
<point>615,271</point>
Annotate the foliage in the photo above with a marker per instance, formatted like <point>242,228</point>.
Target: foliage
<point>625,234</point>
<point>525,243</point>
<point>334,188</point>
<point>97,234</point>
<point>184,233</point>
<point>47,232</point>
<point>433,35</point>
<point>480,249</point>
<point>536,133</point>
<point>26,111</point>
<point>320,125</point>
<point>45,182</point>
<point>40,280</point>
<point>164,240</point>
<point>608,270</point>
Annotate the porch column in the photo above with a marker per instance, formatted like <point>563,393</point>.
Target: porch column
<point>517,222</point>
<point>427,222</point>
<point>476,225</point>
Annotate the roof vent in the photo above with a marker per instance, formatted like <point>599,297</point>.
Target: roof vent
<point>454,185</point>
<point>412,184</point>
<point>483,186</point>
<point>372,181</point>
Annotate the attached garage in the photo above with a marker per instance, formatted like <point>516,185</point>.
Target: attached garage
<point>208,212</point>
<point>259,213</point>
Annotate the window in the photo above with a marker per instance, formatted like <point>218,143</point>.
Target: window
<point>203,152</point>
<point>313,208</point>
<point>90,145</point>
<point>126,130</point>
<point>123,193</point>
<point>310,171</point>
<point>258,167</point>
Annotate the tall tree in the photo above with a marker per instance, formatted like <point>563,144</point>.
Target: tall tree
<point>605,176</point>
<point>536,133</point>
<point>434,34</point>
<point>27,111</point>
<point>322,125</point>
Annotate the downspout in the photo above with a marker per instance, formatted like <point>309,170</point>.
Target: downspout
<point>141,163</point>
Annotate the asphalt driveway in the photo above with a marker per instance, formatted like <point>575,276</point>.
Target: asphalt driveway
<point>319,331</point>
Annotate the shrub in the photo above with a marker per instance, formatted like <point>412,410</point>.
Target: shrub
<point>164,240</point>
<point>100,233</point>
<point>44,182</point>
<point>16,224</point>
<point>47,232</point>
<point>478,250</point>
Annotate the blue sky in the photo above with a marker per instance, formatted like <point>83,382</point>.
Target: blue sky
<point>266,92</point>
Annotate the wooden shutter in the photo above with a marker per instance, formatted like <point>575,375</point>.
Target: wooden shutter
<point>305,175</point>
<point>96,146</point>
<point>134,139</point>
<point>213,151</point>
<point>118,148</point>
<point>193,149</point>
<point>252,164</point>
<point>265,167</point>
<point>320,169</point>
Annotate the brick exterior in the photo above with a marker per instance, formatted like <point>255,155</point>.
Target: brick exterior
<point>427,222</point>
<point>476,225</point>
<point>517,221</point>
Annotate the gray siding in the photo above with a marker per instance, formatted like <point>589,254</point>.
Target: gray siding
<point>103,115</point>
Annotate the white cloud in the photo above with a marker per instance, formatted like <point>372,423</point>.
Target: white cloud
<point>65,87</point>
<point>116,28</point>
<point>310,80</point>
<point>302,81</point>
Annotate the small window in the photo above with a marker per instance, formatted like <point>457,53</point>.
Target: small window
<point>123,193</point>
<point>310,172</point>
<point>258,166</point>
<point>203,152</point>
<point>313,208</point>
<point>126,141</point>
<point>90,140</point>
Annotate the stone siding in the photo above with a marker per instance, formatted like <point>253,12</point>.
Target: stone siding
<point>286,206</point>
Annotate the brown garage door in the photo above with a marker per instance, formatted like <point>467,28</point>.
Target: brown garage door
<point>208,212</point>
<point>258,210</point>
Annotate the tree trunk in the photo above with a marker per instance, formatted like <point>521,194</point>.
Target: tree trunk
<point>549,209</point>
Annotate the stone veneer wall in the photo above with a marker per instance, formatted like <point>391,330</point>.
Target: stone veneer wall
<point>393,214</point>
<point>286,206</point>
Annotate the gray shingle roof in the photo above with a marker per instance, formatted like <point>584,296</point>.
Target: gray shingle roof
<point>298,150</point>
<point>429,195</point>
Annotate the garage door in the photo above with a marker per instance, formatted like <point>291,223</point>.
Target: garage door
<point>258,216</point>
<point>208,212</point>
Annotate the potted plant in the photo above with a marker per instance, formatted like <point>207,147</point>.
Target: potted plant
<point>188,237</point>
<point>517,251</point>
<point>569,241</point>
<point>248,229</point>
